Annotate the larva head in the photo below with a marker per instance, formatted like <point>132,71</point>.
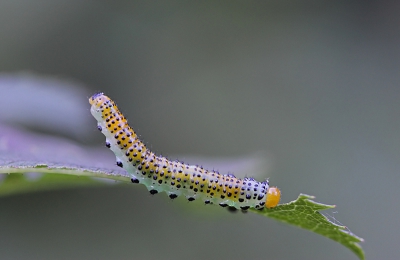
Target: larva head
<point>273,197</point>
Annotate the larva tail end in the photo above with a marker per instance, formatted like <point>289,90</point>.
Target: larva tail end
<point>93,98</point>
<point>273,197</point>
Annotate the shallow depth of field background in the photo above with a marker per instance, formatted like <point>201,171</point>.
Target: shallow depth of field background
<point>314,85</point>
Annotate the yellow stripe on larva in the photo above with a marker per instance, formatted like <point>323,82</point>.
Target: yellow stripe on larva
<point>159,174</point>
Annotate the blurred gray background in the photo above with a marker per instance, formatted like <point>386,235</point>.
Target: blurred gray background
<point>314,84</point>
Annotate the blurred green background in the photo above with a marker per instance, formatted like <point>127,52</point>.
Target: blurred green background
<point>314,84</point>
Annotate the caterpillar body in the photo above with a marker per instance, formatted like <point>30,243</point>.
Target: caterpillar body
<point>159,174</point>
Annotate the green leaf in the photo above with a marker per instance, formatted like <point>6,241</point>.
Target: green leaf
<point>17,178</point>
<point>304,213</point>
<point>62,163</point>
<point>23,152</point>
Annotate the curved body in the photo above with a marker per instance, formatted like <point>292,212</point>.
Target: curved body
<point>159,174</point>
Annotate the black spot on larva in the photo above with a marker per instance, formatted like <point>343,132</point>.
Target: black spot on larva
<point>195,189</point>
<point>223,205</point>
<point>229,194</point>
<point>173,196</point>
<point>99,127</point>
<point>191,199</point>
<point>248,196</point>
<point>119,164</point>
<point>178,186</point>
<point>152,192</point>
<point>222,196</point>
<point>245,207</point>
<point>232,209</point>
<point>260,197</point>
<point>134,180</point>
<point>241,199</point>
<point>108,145</point>
<point>160,181</point>
<point>207,202</point>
